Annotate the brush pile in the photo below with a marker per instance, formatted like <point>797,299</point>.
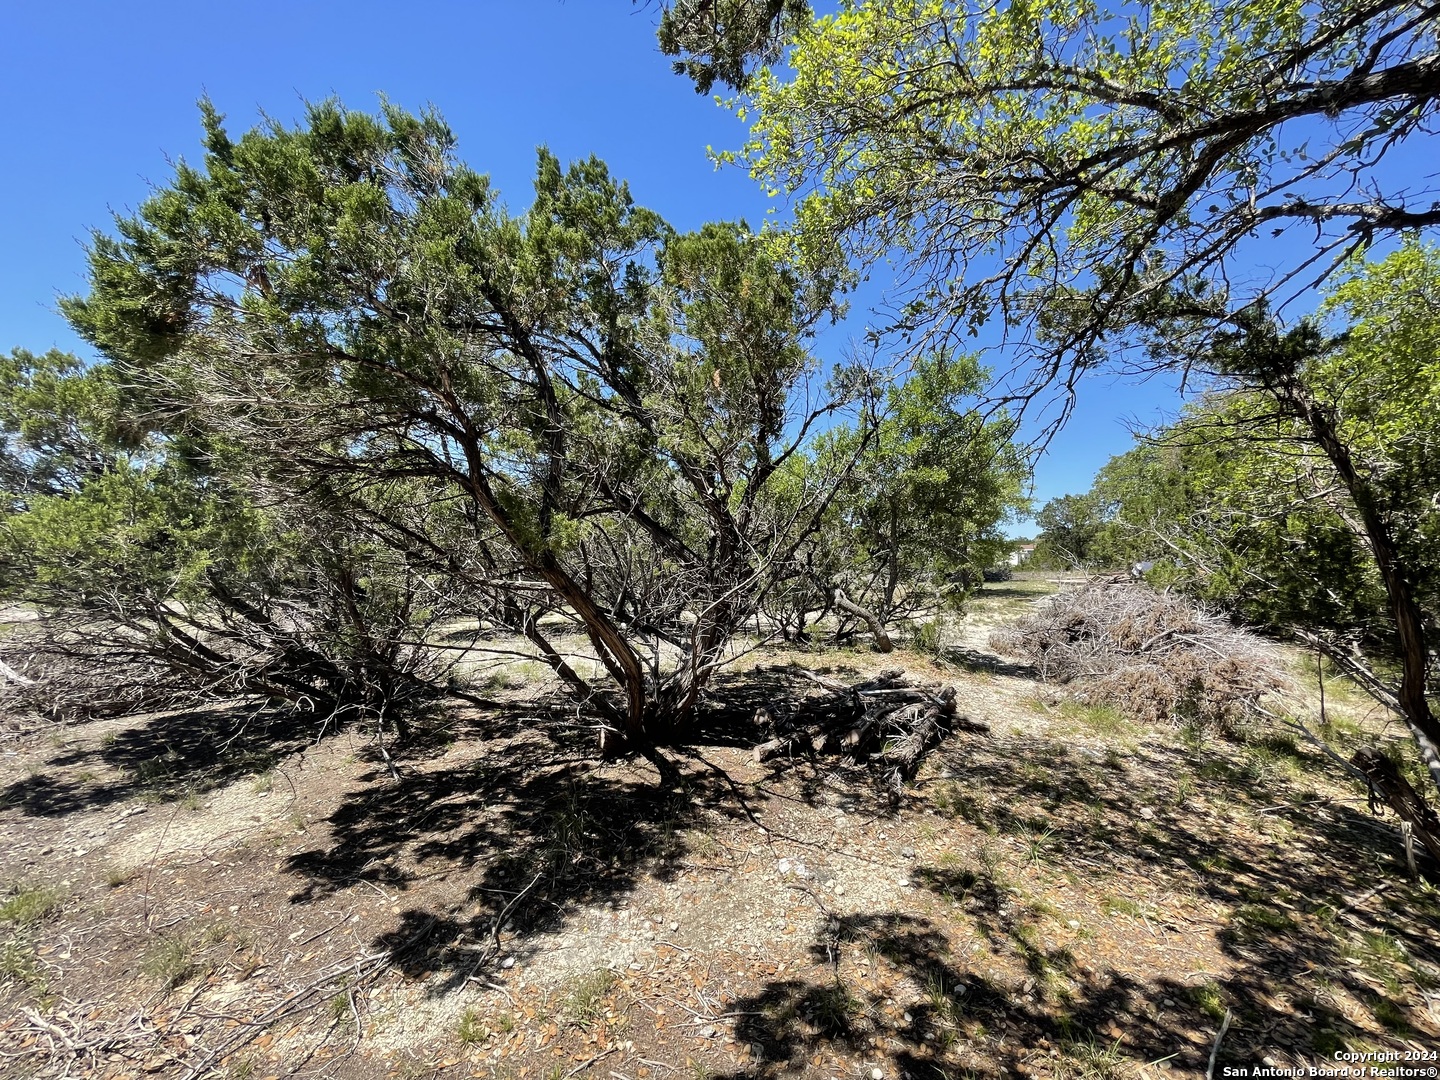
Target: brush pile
<point>1156,657</point>
<point>886,720</point>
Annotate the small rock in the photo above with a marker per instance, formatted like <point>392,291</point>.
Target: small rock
<point>909,1018</point>
<point>1147,813</point>
<point>674,926</point>
<point>907,852</point>
<point>1074,924</point>
<point>508,963</point>
<point>839,890</point>
<point>877,1074</point>
<point>708,1032</point>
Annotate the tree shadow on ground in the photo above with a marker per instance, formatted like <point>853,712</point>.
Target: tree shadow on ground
<point>532,826</point>
<point>1302,926</point>
<point>966,1018</point>
<point>987,662</point>
<point>162,756</point>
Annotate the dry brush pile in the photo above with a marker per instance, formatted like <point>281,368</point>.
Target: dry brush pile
<point>1156,657</point>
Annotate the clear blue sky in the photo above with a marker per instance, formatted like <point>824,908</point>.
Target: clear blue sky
<point>101,96</point>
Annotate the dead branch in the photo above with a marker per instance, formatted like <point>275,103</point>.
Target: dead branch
<point>1389,788</point>
<point>906,720</point>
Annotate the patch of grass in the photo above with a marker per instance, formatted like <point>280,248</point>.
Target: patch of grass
<point>1327,1043</point>
<point>116,876</point>
<point>26,905</point>
<point>833,1009</point>
<point>1276,755</point>
<point>1209,1000</point>
<point>945,1009</point>
<point>1091,1061</point>
<point>954,800</point>
<point>1037,844</point>
<point>471,1028</point>
<point>1257,922</point>
<point>1184,790</point>
<point>170,959</point>
<point>18,964</point>
<point>1120,905</point>
<point>1217,768</point>
<point>1100,719</point>
<point>264,783</point>
<point>586,995</point>
<point>1391,1016</point>
<point>1381,956</point>
<point>703,843</point>
<point>220,932</point>
<point>1214,864</point>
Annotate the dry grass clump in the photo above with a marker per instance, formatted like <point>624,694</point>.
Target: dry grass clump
<point>1157,657</point>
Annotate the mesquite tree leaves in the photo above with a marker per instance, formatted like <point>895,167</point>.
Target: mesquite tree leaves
<point>1061,167</point>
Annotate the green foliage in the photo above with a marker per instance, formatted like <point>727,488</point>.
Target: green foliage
<point>575,409</point>
<point>59,424</point>
<point>1067,166</point>
<point>722,40</point>
<point>26,905</point>
<point>162,577</point>
<point>170,959</point>
<point>1249,508</point>
<point>1300,492</point>
<point>471,1027</point>
<point>919,520</point>
<point>1069,528</point>
<point>585,998</point>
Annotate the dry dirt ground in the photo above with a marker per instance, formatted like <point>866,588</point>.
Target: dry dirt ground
<point>1067,896</point>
